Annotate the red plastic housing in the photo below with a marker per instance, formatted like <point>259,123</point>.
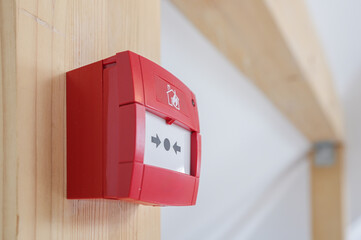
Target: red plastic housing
<point>106,105</point>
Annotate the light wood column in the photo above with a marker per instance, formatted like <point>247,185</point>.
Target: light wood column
<point>40,41</point>
<point>328,198</point>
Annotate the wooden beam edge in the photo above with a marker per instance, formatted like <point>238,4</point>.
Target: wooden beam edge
<point>8,113</point>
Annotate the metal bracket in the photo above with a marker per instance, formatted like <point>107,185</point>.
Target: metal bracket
<point>324,153</point>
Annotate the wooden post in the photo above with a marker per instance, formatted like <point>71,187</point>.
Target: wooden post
<point>327,198</point>
<point>40,41</point>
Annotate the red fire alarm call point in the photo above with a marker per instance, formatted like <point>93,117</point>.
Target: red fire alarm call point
<point>132,133</point>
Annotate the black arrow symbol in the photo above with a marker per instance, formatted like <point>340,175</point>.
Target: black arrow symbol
<point>176,148</point>
<point>156,140</point>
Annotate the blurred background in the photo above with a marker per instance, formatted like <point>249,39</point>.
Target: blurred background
<point>255,176</point>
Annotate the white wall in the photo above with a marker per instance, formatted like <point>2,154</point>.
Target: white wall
<point>338,24</point>
<point>254,178</point>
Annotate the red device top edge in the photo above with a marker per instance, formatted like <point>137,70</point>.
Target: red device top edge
<point>157,89</point>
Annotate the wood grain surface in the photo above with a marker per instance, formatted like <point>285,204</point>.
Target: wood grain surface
<point>40,41</point>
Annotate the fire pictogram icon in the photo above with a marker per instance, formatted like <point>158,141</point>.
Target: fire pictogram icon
<point>173,99</point>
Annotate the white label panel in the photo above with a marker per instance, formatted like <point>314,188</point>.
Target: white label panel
<point>166,146</point>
